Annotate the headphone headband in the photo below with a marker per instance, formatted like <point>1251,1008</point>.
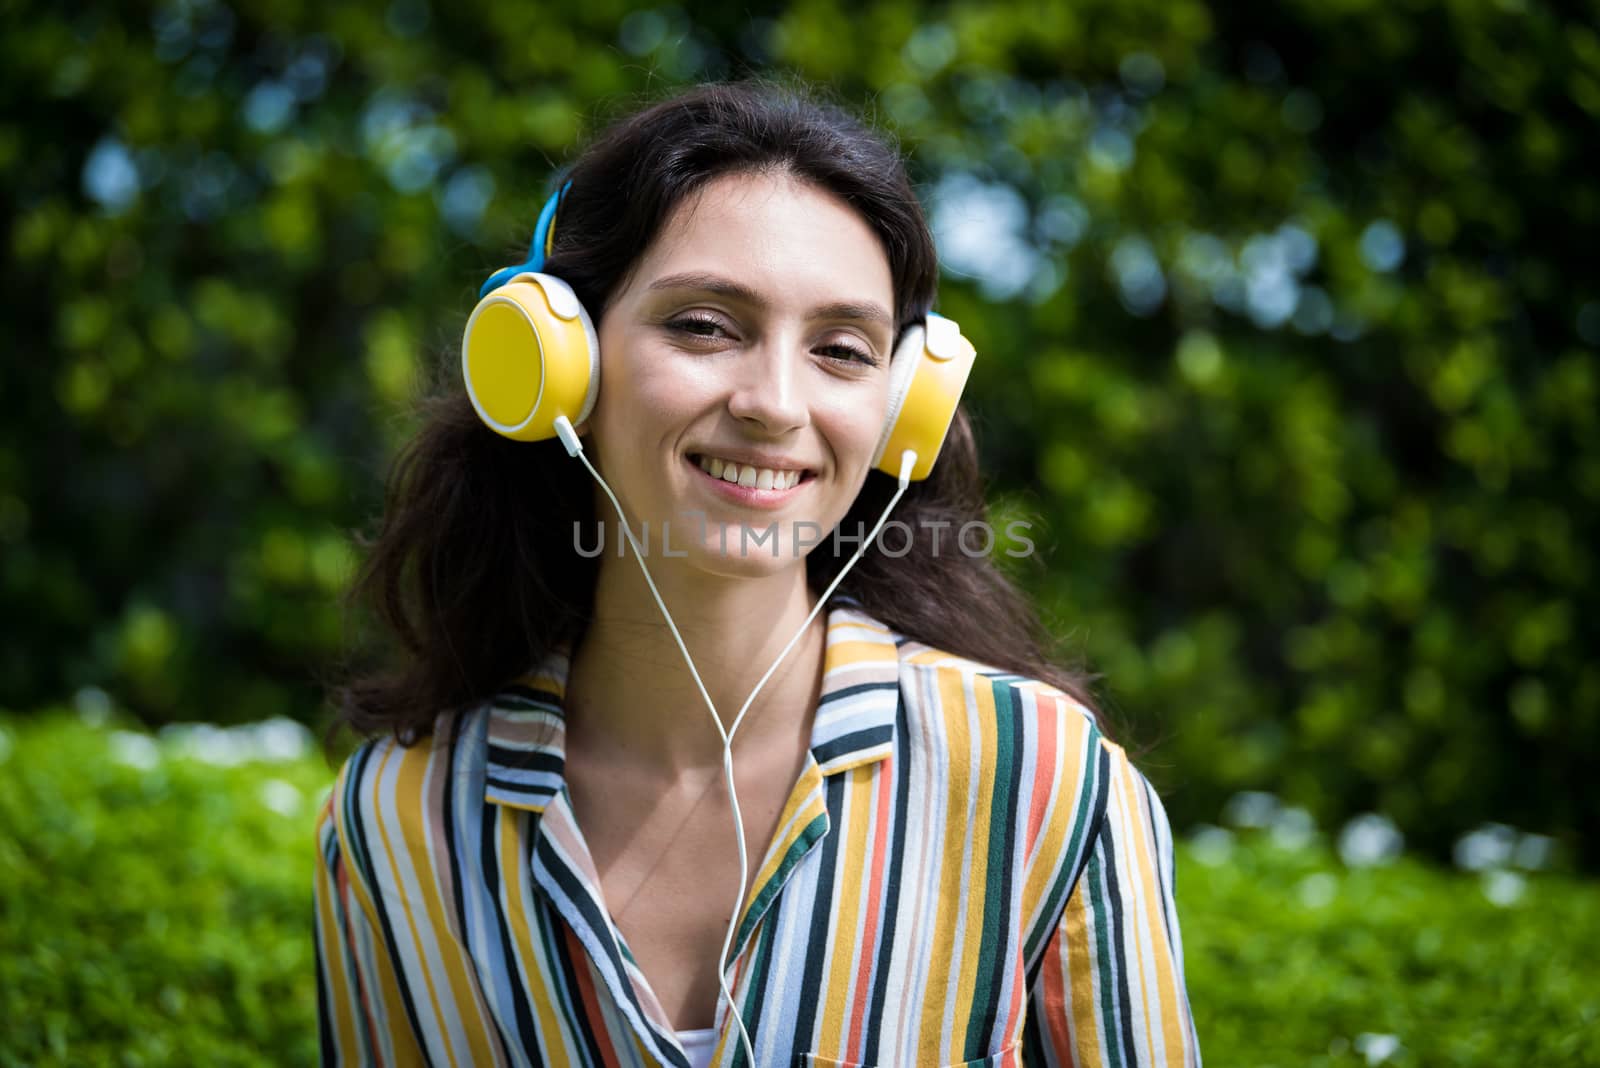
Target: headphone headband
<point>544,236</point>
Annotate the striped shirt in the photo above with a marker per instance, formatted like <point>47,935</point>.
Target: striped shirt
<point>966,873</point>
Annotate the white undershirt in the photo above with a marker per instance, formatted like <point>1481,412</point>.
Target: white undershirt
<point>699,1045</point>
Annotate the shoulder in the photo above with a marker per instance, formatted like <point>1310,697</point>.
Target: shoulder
<point>1027,735</point>
<point>1035,746</point>
<point>950,700</point>
<point>381,765</point>
<point>944,685</point>
<point>386,793</point>
<point>1022,761</point>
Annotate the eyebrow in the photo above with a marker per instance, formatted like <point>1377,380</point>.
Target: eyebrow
<point>861,311</point>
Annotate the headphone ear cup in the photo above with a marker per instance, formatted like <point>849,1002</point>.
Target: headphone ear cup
<point>927,375</point>
<point>530,354</point>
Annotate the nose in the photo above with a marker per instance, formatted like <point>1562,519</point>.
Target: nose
<point>767,389</point>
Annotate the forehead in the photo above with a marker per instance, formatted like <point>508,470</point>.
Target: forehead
<point>791,240</point>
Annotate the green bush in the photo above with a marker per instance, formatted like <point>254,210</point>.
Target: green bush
<point>155,908</point>
<point>1295,960</point>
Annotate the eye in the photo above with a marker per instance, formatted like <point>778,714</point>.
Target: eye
<point>697,325</point>
<point>850,353</point>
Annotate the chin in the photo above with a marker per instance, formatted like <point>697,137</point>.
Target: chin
<point>749,561</point>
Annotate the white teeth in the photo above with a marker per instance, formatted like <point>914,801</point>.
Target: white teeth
<point>747,476</point>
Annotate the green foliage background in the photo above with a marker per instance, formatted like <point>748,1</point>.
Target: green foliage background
<point>1287,315</point>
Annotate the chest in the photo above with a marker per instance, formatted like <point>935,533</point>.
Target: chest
<point>667,860</point>
<point>883,925</point>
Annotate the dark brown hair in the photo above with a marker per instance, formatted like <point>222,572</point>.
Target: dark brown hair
<point>473,571</point>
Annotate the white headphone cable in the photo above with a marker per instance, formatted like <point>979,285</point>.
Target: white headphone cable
<point>574,447</point>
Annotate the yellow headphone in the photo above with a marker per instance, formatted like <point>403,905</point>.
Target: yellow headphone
<point>530,354</point>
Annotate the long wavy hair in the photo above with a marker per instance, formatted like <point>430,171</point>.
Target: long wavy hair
<point>472,573</point>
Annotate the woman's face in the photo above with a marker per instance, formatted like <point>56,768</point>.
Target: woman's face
<point>755,331</point>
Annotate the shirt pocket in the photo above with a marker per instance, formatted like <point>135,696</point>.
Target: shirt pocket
<point>1010,1057</point>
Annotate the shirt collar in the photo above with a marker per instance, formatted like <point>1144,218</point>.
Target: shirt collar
<point>855,721</point>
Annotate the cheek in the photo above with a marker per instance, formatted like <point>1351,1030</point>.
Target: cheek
<point>636,393</point>
<point>855,429</point>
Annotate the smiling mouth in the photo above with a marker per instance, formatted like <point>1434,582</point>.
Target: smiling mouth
<point>750,476</point>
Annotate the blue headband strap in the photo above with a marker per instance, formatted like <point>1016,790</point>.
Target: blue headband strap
<point>538,249</point>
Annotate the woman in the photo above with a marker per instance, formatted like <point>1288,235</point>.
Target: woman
<point>531,858</point>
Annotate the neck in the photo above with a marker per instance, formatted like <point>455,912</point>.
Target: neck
<point>630,696</point>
